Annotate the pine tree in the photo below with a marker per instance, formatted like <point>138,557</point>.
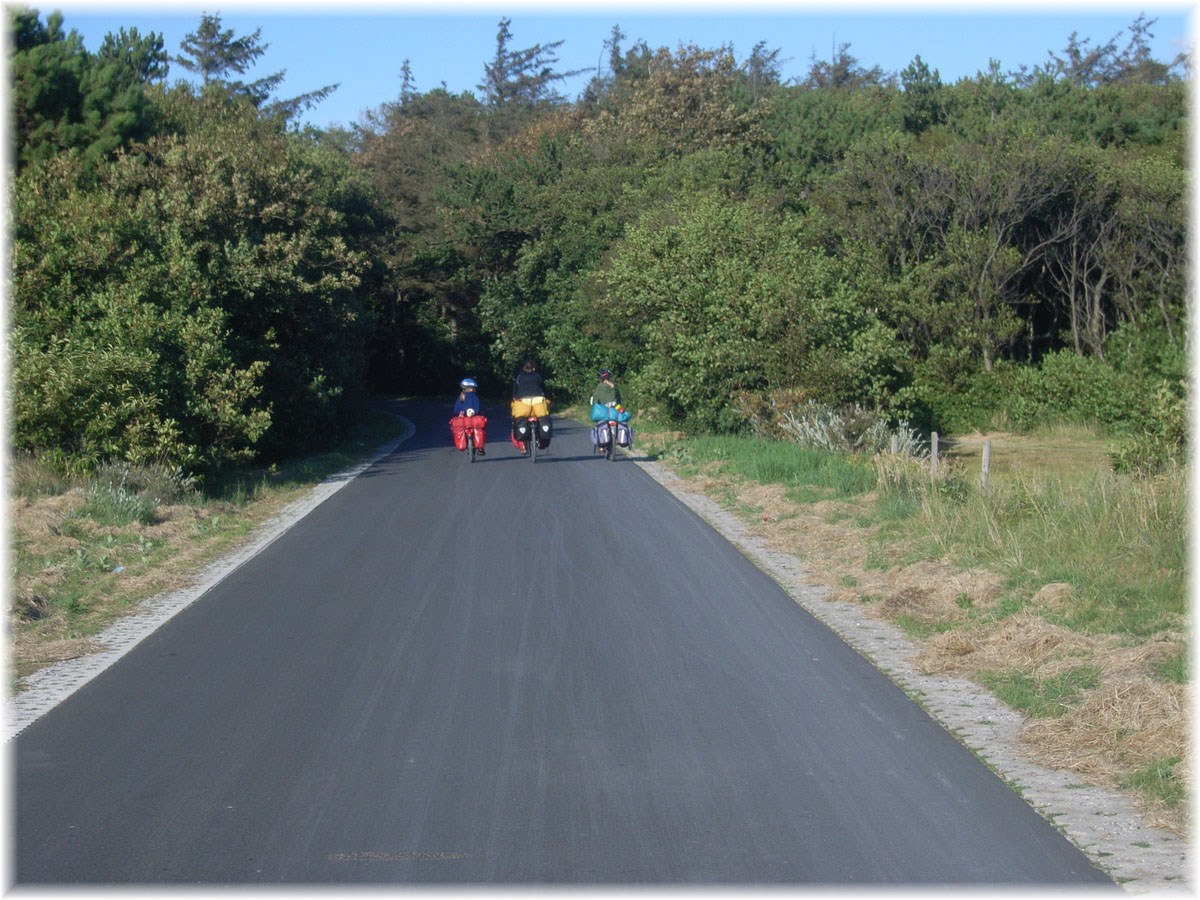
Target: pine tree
<point>518,82</point>
<point>214,54</point>
<point>65,99</point>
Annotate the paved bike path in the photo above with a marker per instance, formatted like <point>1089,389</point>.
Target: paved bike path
<point>509,672</point>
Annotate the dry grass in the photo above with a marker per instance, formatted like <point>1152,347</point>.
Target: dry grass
<point>1126,722</point>
<point>167,554</point>
<point>1062,451</point>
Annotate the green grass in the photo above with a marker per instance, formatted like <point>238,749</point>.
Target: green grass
<point>1174,669</point>
<point>107,504</point>
<point>1158,781</point>
<point>31,478</point>
<point>1052,515</point>
<point>1050,698</point>
<point>916,627</point>
<point>1119,541</point>
<point>809,475</point>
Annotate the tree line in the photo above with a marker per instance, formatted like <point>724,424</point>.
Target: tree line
<point>201,281</point>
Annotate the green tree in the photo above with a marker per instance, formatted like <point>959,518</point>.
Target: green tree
<point>519,83</point>
<point>1085,65</point>
<point>215,53</point>
<point>761,71</point>
<point>65,99</point>
<point>408,149</point>
<point>922,97</point>
<point>842,71</point>
<point>813,130</point>
<point>196,303</point>
<point>712,299</point>
<point>688,100</point>
<point>143,58</point>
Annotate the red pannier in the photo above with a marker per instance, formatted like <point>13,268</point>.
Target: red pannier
<point>476,423</point>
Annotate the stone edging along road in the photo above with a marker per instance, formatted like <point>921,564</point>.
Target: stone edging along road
<point>1103,823</point>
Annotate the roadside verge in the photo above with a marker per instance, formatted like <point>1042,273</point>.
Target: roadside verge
<point>1104,824</point>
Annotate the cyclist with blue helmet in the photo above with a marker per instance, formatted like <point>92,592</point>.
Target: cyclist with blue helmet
<point>469,404</point>
<point>468,398</point>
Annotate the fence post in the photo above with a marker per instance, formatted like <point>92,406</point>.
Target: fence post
<point>987,464</point>
<point>933,453</point>
<point>895,444</point>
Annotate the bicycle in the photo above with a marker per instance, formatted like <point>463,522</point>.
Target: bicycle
<point>610,448</point>
<point>531,432</point>
<point>465,427</point>
<point>539,437</point>
<point>608,419</point>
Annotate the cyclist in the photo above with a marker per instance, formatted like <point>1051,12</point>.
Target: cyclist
<point>529,382</point>
<point>468,398</point>
<point>529,392</point>
<point>469,404</point>
<point>605,393</point>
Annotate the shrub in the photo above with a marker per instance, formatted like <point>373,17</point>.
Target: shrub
<point>715,298</point>
<point>1161,442</point>
<point>195,303</point>
<point>1063,388</point>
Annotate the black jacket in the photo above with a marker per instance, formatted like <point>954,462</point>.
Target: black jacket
<point>529,384</point>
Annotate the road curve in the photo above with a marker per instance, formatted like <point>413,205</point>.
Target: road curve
<point>509,672</point>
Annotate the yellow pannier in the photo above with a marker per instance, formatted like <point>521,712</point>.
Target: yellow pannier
<point>530,406</point>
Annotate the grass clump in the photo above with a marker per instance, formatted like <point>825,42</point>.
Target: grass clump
<point>1042,698</point>
<point>1159,780</point>
<point>1120,542</point>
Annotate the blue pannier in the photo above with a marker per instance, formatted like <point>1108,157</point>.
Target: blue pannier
<point>602,413</point>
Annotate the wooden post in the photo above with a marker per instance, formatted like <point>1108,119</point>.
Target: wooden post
<point>987,464</point>
<point>895,444</point>
<point>933,453</point>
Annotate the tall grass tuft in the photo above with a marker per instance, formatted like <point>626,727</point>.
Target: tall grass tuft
<point>107,504</point>
<point>1119,541</point>
<point>32,477</point>
<point>121,494</point>
<point>845,429</point>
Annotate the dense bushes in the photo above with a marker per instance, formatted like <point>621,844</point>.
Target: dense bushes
<point>1007,250</point>
<point>719,298</point>
<point>193,303</point>
<point>970,261</point>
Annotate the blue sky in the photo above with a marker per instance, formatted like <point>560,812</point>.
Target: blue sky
<point>362,47</point>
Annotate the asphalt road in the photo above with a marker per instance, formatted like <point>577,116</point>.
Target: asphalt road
<point>509,673</point>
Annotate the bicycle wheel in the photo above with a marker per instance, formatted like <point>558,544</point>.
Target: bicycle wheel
<point>610,451</point>
<point>470,449</point>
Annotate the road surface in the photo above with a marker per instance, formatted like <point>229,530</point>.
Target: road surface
<point>509,672</point>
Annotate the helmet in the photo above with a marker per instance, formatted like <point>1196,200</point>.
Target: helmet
<point>604,373</point>
<point>468,383</point>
